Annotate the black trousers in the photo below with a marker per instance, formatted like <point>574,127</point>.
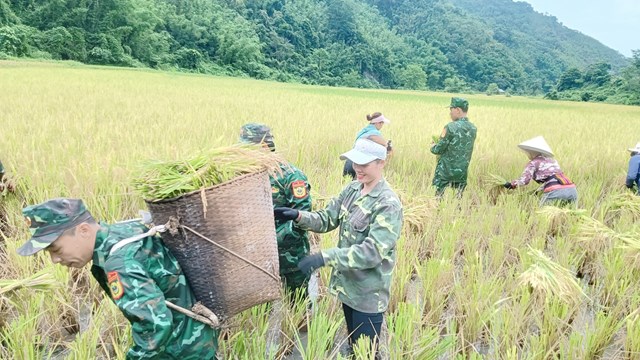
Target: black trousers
<point>347,170</point>
<point>361,324</point>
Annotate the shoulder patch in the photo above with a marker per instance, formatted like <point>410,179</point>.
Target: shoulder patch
<point>299,189</point>
<point>274,190</point>
<point>115,286</point>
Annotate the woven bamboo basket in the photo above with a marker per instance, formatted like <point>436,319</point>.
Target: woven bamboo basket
<point>241,269</point>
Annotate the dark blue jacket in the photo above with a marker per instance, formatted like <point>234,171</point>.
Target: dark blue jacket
<point>633,175</point>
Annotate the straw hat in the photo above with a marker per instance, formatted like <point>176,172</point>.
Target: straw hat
<point>536,145</point>
<point>635,149</point>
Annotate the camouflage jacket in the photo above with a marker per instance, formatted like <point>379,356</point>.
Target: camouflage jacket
<point>365,257</point>
<point>454,149</point>
<point>291,189</point>
<point>139,277</point>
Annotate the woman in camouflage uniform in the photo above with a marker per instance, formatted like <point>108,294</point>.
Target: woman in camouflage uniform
<point>369,216</point>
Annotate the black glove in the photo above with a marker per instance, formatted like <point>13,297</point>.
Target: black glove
<point>285,213</point>
<point>310,263</point>
<point>508,185</point>
<point>389,146</point>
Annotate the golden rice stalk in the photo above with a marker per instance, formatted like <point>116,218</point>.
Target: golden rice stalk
<point>558,218</point>
<point>546,277</point>
<point>495,184</point>
<point>417,212</point>
<point>168,179</point>
<point>626,202</point>
<point>42,280</point>
<point>631,246</point>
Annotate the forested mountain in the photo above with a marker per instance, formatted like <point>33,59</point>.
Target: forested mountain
<point>455,45</point>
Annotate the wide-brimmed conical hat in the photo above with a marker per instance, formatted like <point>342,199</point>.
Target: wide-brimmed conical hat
<point>635,149</point>
<point>537,144</point>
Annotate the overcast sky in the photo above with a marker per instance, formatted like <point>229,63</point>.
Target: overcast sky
<point>615,23</point>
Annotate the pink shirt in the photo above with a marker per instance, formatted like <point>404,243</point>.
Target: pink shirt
<point>540,169</point>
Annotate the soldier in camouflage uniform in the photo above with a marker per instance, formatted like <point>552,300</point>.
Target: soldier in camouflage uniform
<point>369,216</point>
<point>138,276</point>
<point>289,188</point>
<point>454,149</point>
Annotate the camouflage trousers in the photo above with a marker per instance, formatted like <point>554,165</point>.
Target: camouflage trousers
<point>441,186</point>
<point>295,280</point>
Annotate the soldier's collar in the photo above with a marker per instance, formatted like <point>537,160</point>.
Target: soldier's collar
<point>376,190</point>
<point>98,250</point>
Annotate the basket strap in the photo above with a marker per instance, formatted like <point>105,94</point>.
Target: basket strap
<point>232,253</point>
<point>154,230</point>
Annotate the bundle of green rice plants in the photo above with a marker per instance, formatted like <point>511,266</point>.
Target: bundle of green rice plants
<point>43,280</point>
<point>630,244</point>
<point>321,333</point>
<point>606,325</point>
<point>559,219</point>
<point>624,203</point>
<point>593,240</point>
<point>437,278</point>
<point>548,279</point>
<point>495,185</point>
<point>417,212</point>
<point>408,339</point>
<point>159,180</point>
<point>632,339</point>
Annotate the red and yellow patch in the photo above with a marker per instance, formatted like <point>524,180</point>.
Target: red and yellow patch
<point>274,190</point>
<point>299,189</point>
<point>115,286</point>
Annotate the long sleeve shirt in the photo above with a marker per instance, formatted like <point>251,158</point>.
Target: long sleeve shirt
<point>633,174</point>
<point>545,171</point>
<point>139,277</point>
<point>363,262</point>
<point>454,150</point>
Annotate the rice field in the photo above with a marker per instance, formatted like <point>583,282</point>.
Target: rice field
<point>488,276</point>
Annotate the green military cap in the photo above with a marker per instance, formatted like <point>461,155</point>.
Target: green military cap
<point>47,221</point>
<point>457,102</point>
<point>255,133</point>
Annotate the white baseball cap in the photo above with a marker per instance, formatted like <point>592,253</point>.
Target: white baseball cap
<point>365,151</point>
<point>635,149</point>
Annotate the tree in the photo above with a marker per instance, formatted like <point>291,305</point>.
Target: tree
<point>412,77</point>
<point>571,79</point>
<point>493,89</point>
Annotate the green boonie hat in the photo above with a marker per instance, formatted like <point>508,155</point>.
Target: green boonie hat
<point>254,133</point>
<point>457,102</point>
<point>47,221</point>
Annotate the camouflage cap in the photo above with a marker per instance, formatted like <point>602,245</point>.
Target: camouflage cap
<point>256,134</point>
<point>457,102</point>
<point>47,221</point>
